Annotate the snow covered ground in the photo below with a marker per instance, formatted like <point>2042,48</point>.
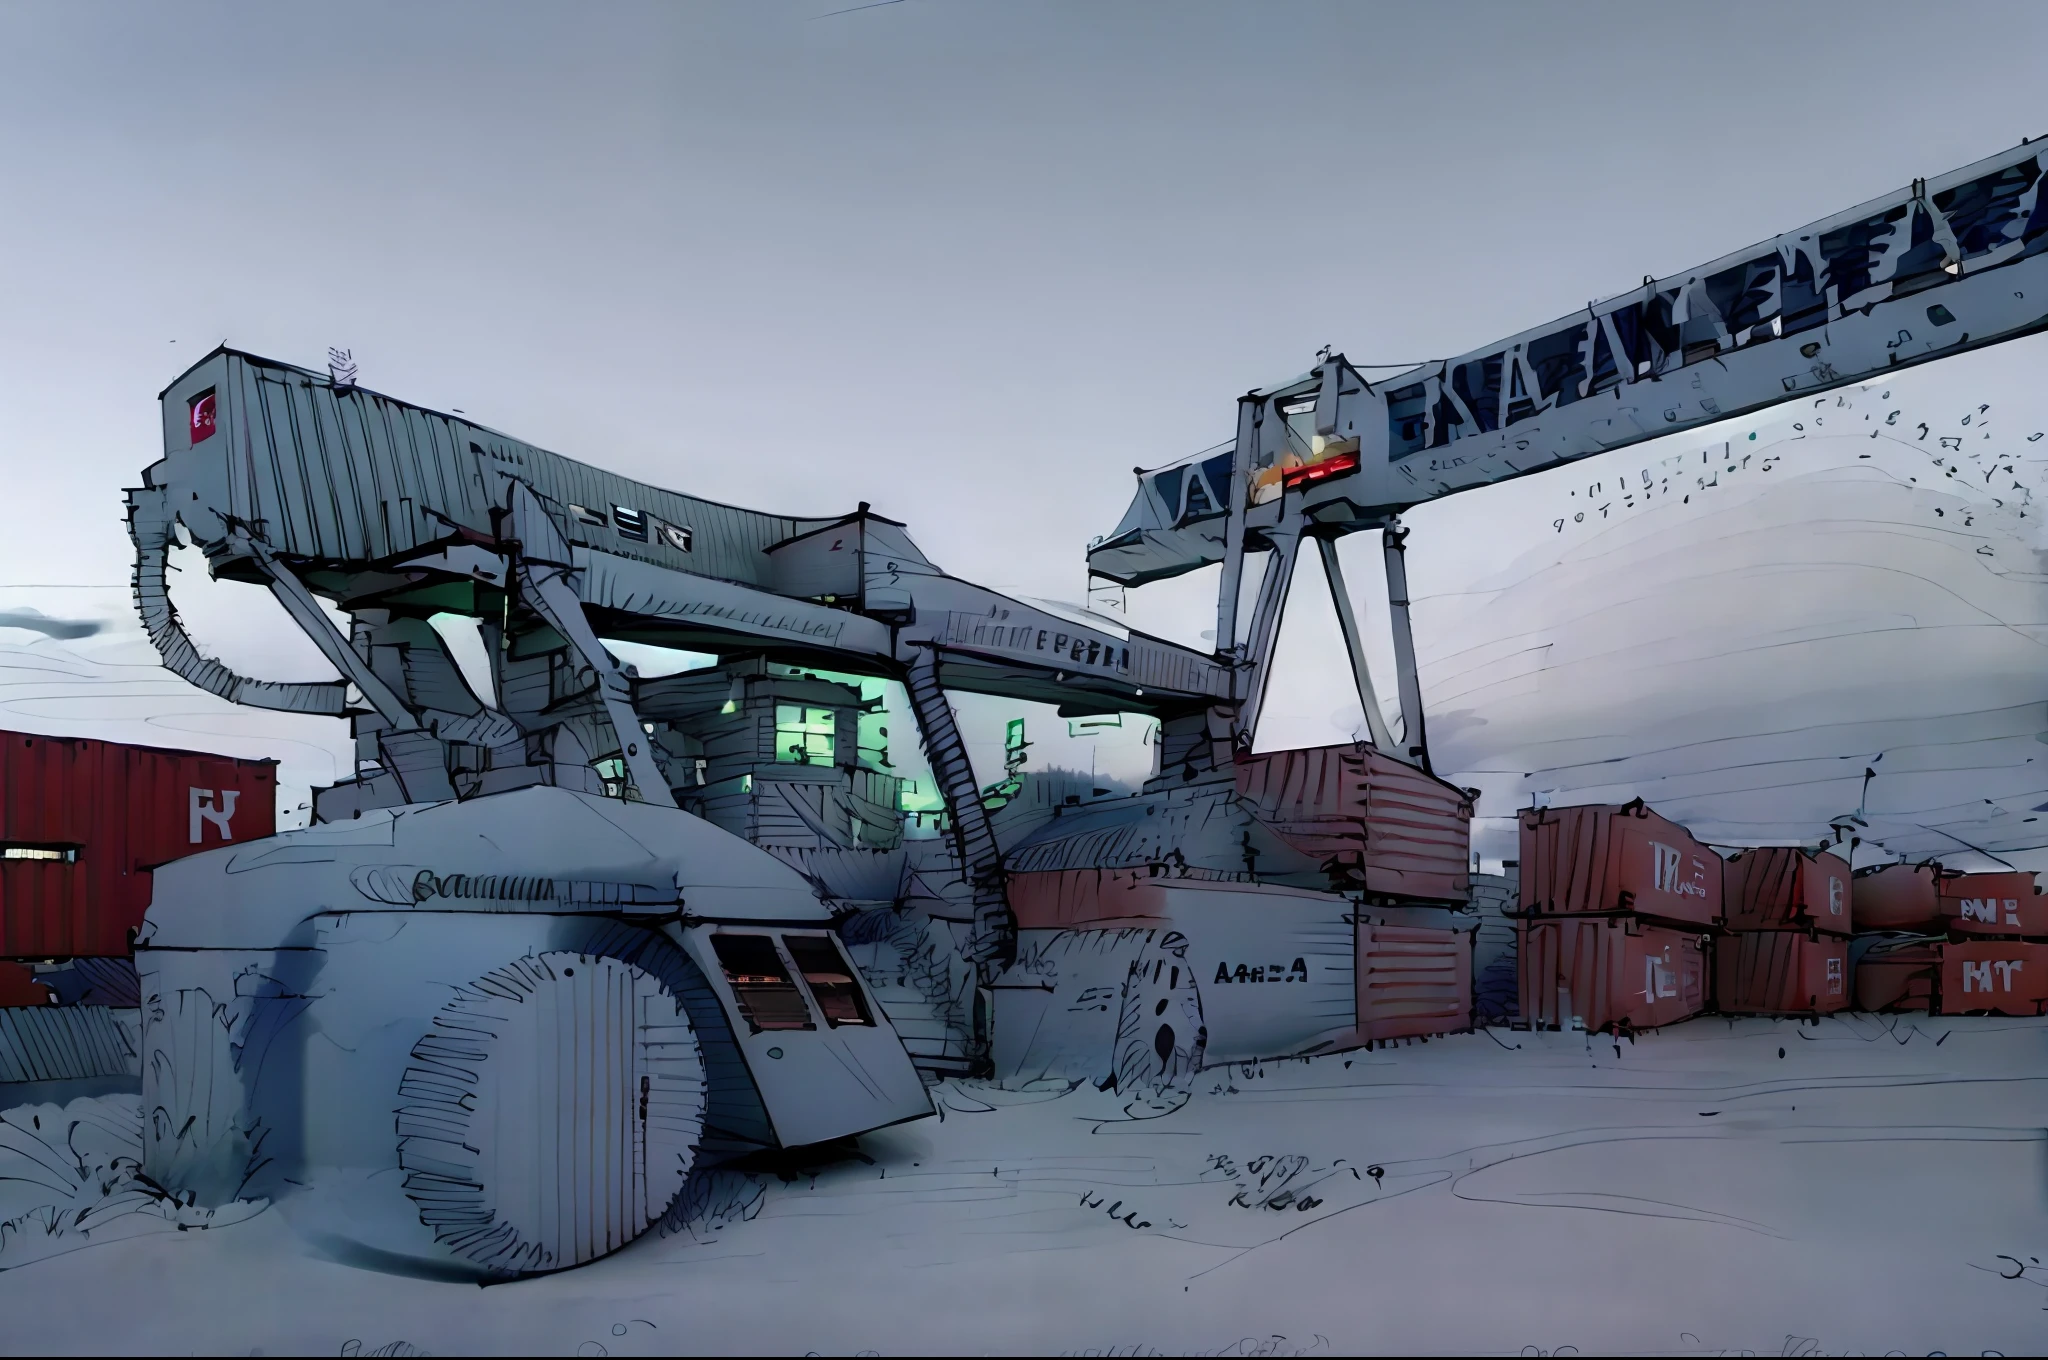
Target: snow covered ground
<point>1869,1185</point>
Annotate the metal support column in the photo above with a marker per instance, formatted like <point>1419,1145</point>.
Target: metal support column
<point>1413,739</point>
<point>1347,623</point>
<point>1266,615</point>
<point>1248,409</point>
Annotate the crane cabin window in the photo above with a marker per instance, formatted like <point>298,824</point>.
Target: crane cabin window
<point>803,735</point>
<point>830,978</point>
<point>768,998</point>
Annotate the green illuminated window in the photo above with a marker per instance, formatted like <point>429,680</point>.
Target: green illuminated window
<point>803,735</point>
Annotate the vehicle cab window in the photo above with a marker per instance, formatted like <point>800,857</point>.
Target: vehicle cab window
<point>830,978</point>
<point>767,996</point>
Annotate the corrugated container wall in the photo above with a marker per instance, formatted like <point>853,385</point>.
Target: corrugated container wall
<point>1994,904</point>
<point>1578,860</point>
<point>1895,897</point>
<point>1381,826</point>
<point>1898,976</point>
<point>1608,974</point>
<point>1413,981</point>
<point>1785,888</point>
<point>1781,972</point>
<point>2002,977</point>
<point>83,822</point>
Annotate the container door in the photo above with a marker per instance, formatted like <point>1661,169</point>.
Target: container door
<point>1413,981</point>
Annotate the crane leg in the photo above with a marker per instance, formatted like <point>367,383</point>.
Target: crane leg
<point>1266,615</point>
<point>1392,539</point>
<point>1347,622</point>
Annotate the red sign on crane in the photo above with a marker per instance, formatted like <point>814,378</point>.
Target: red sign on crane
<point>202,417</point>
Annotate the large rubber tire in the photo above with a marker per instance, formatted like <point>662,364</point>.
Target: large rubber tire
<point>552,1112</point>
<point>1160,1036</point>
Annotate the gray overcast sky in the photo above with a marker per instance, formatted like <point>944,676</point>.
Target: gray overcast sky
<point>969,261</point>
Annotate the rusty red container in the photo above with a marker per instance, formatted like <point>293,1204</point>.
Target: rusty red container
<point>1617,859</point>
<point>18,987</point>
<point>1898,976</point>
<point>1781,972</point>
<point>2006,904</point>
<point>1609,973</point>
<point>1383,825</point>
<point>1413,981</point>
<point>1785,888</point>
<point>1996,977</point>
<point>1896,897</point>
<point>83,822</point>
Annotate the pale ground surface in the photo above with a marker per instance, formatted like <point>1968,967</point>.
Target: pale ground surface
<point>1698,1194</point>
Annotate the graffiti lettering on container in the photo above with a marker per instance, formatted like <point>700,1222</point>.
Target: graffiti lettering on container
<point>203,811</point>
<point>1658,980</point>
<point>1263,972</point>
<point>1666,868</point>
<point>1977,976</point>
<point>1985,909</point>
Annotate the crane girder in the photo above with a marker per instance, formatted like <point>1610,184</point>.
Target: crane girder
<point>1945,265</point>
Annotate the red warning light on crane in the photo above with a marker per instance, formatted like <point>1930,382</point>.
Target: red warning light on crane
<point>1310,473</point>
<point>202,417</point>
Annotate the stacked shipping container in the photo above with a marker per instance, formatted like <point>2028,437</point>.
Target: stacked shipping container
<point>1789,922</point>
<point>1994,959</point>
<point>1615,906</point>
<point>1896,956</point>
<point>1955,944</point>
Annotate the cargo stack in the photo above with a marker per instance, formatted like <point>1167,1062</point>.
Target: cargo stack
<point>1951,943</point>
<point>1789,914</point>
<point>1615,907</point>
<point>1995,960</point>
<point>1895,955</point>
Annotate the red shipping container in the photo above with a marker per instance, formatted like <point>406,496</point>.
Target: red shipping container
<point>1898,976</point>
<point>1609,974</point>
<point>1993,904</point>
<point>1617,859</point>
<point>1781,972</point>
<point>1780,887</point>
<point>1895,897</point>
<point>18,987</point>
<point>1393,830</point>
<point>83,822</point>
<point>1412,981</point>
<point>2001,977</point>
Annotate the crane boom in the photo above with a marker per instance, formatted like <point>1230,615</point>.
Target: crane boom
<point>1944,265</point>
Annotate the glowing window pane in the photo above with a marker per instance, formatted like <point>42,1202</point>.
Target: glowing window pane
<point>804,735</point>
